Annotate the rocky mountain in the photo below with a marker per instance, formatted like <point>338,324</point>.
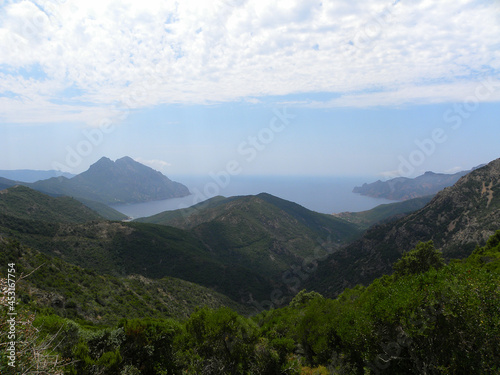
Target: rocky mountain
<point>402,188</point>
<point>108,182</point>
<point>457,219</point>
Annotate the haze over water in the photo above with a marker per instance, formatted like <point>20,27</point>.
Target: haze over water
<point>321,194</point>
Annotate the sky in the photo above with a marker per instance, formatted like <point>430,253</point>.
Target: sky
<point>342,88</point>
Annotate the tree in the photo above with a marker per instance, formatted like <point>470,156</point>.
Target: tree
<point>303,297</point>
<point>419,260</point>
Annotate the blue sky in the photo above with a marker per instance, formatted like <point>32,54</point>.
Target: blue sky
<point>379,88</point>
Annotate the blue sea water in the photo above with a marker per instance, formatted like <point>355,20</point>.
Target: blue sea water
<point>321,194</point>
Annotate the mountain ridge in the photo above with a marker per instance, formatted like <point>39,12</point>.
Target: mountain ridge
<point>32,175</point>
<point>457,219</point>
<point>385,212</point>
<point>403,188</point>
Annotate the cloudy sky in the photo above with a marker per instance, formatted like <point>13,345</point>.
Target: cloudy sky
<point>378,88</point>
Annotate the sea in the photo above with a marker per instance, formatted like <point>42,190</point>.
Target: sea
<point>321,194</point>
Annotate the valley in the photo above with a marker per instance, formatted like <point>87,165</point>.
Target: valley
<point>258,260</point>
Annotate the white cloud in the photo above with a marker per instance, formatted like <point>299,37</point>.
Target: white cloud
<point>454,170</point>
<point>419,94</point>
<point>159,165</point>
<point>389,175</point>
<point>144,53</point>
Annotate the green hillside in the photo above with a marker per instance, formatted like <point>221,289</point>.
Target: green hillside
<point>154,251</point>
<point>181,216</point>
<point>384,212</point>
<point>258,210</point>
<point>240,247</point>
<point>102,209</point>
<point>264,233</point>
<point>241,221</point>
<point>399,324</point>
<point>6,183</point>
<point>25,203</point>
<point>56,286</point>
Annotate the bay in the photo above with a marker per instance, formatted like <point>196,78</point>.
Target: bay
<point>322,194</point>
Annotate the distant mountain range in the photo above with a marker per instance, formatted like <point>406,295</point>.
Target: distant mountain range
<point>402,188</point>
<point>30,175</point>
<point>457,219</point>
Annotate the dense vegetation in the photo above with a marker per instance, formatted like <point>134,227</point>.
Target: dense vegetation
<point>240,247</point>
<point>55,286</point>
<point>270,236</point>
<point>25,203</point>
<point>426,318</point>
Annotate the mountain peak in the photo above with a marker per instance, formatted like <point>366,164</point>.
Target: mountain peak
<point>126,159</point>
<point>104,161</point>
